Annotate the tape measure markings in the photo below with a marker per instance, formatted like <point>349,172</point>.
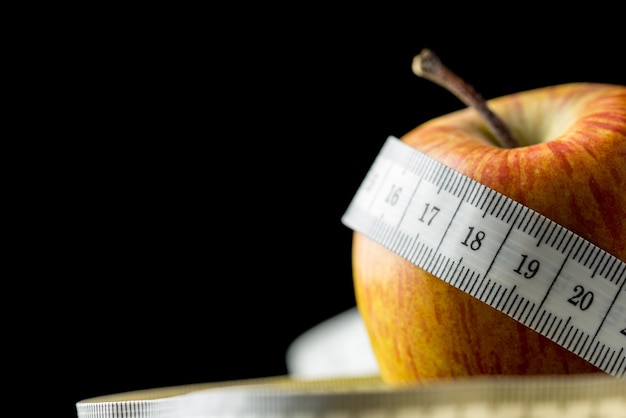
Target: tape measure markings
<point>497,250</point>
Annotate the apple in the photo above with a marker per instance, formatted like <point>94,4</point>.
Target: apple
<point>567,161</point>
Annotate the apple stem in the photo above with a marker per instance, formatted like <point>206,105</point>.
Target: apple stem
<point>429,66</point>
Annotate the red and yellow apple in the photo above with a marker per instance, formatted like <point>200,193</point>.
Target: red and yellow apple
<point>570,167</point>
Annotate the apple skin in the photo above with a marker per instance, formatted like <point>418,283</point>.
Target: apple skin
<point>571,168</point>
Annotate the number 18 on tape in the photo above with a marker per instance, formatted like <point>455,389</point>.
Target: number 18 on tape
<point>497,250</point>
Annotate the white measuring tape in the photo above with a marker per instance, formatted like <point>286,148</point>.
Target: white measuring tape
<point>572,396</point>
<point>497,250</point>
<point>487,245</point>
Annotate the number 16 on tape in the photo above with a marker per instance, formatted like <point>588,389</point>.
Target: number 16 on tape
<point>497,250</point>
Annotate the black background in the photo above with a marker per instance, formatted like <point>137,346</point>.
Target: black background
<point>206,160</point>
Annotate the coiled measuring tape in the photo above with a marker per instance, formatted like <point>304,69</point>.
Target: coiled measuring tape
<point>579,396</point>
<point>497,250</point>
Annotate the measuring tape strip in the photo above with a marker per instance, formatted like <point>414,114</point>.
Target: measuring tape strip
<point>581,396</point>
<point>497,250</point>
